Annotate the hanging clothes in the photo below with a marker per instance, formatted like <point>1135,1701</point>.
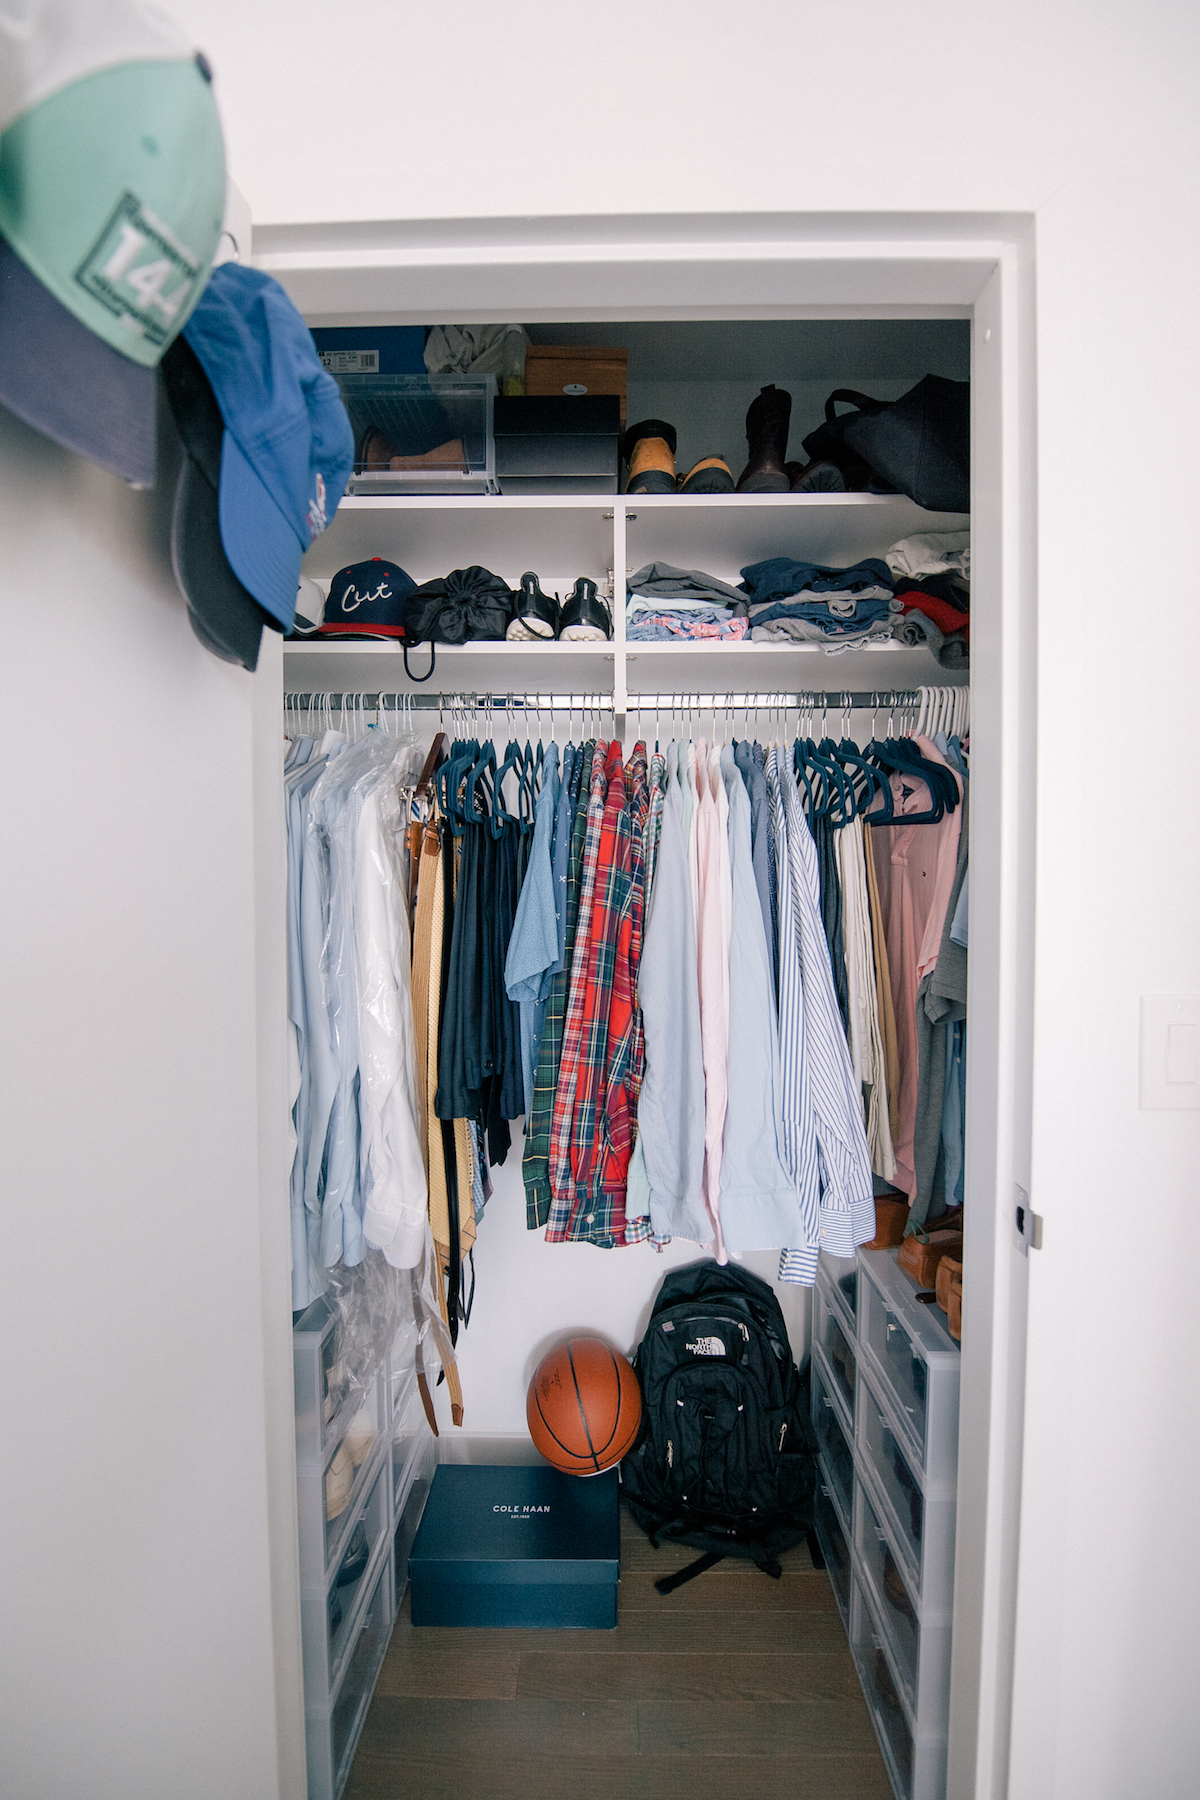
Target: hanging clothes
<point>915,869</point>
<point>847,1211</point>
<point>666,1174</point>
<point>941,1005</point>
<point>865,1034</point>
<point>535,1166</point>
<point>533,948</point>
<point>758,1205</point>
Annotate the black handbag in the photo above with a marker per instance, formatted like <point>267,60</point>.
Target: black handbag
<point>457,608</point>
<point>919,445</point>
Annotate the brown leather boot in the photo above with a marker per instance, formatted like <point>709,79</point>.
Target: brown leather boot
<point>766,438</point>
<point>649,451</point>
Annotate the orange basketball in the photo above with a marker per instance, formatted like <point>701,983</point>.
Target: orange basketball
<point>584,1406</point>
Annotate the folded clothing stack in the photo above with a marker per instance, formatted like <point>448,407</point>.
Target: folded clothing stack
<point>932,576</point>
<point>666,603</point>
<point>801,602</point>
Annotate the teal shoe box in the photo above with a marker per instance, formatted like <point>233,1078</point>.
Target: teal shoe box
<point>519,1547</point>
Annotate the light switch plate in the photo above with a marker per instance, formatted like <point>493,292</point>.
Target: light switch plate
<point>1170,1052</point>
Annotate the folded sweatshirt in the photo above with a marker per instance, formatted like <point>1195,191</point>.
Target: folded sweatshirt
<point>778,577</point>
<point>931,553</point>
<point>662,582</point>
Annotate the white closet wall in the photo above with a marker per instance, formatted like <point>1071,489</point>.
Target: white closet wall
<point>142,1606</point>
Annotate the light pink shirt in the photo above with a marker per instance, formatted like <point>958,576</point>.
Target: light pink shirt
<point>914,867</point>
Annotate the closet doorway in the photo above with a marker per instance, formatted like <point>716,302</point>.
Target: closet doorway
<point>794,268</point>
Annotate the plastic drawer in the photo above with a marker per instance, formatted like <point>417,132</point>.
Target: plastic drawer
<point>915,1760</point>
<point>920,1526</point>
<point>332,1732</point>
<point>330,1613</point>
<point>840,1275</point>
<point>920,1645</point>
<point>834,1546</point>
<point>836,1343</point>
<point>409,1510</point>
<point>365,1430</point>
<point>834,1440</point>
<point>916,1359</point>
<point>410,1430</point>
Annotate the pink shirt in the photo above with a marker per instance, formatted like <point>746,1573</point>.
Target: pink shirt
<point>914,868</point>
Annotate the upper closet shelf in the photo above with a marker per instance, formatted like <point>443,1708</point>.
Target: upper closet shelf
<point>502,668</point>
<point>474,668</point>
<point>562,536</point>
<point>724,533</point>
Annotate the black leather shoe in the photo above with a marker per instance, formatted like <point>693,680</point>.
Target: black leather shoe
<point>537,613</point>
<point>585,617</point>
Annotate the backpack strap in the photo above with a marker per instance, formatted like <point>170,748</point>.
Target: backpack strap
<point>669,1583</point>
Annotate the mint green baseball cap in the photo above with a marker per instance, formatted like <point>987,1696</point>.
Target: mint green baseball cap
<point>112,193</point>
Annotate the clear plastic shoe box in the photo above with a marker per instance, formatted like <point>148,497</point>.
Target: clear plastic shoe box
<point>834,1540</point>
<point>835,1438</point>
<point>884,1387</point>
<point>834,1336</point>
<point>920,1522</point>
<point>916,1361</point>
<point>353,1566</point>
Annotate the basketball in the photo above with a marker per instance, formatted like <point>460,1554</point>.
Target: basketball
<point>584,1406</point>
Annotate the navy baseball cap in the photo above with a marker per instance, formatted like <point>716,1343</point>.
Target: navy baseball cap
<point>367,600</point>
<point>224,616</point>
<point>288,448</point>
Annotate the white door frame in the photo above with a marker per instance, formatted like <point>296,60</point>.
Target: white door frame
<point>832,266</point>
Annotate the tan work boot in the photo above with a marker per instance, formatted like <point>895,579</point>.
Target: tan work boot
<point>649,451</point>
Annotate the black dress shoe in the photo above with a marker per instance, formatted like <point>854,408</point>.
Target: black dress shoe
<point>537,613</point>
<point>585,617</point>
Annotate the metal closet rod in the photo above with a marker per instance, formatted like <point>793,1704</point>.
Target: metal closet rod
<point>859,699</point>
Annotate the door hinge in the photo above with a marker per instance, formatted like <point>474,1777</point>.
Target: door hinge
<point>1028,1223</point>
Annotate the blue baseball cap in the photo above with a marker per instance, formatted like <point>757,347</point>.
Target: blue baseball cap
<point>288,448</point>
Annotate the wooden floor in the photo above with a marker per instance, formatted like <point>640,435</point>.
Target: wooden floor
<point>735,1687</point>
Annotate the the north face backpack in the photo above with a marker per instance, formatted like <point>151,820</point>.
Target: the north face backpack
<point>725,1458</point>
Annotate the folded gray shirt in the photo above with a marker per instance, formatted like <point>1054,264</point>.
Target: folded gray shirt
<point>660,581</point>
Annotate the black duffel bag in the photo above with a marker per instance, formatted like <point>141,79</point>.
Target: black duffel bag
<point>457,608</point>
<point>919,445</point>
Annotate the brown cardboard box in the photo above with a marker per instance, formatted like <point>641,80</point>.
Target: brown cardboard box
<point>589,368</point>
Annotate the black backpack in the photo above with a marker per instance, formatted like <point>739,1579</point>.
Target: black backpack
<point>725,1457</point>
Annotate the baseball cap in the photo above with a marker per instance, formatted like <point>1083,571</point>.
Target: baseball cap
<point>112,192</point>
<point>310,607</point>
<point>288,449</point>
<point>224,616</point>
<point>366,599</point>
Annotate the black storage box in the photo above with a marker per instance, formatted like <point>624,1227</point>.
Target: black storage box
<point>517,1546</point>
<point>557,443</point>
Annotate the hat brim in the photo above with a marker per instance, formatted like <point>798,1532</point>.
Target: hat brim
<point>226,619</point>
<point>66,382</point>
<point>262,547</point>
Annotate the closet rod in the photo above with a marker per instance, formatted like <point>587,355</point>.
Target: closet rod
<point>858,700</point>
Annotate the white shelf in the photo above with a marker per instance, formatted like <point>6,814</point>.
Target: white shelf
<point>559,536</point>
<point>562,536</point>
<point>487,667</point>
<point>694,668</point>
<point>724,533</point>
